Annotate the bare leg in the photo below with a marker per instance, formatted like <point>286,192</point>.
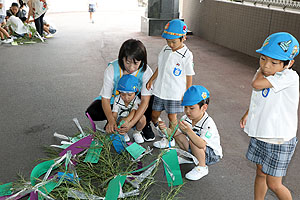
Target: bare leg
<point>198,153</point>
<point>155,115</point>
<point>141,123</point>
<point>275,184</point>
<point>181,140</point>
<point>260,184</point>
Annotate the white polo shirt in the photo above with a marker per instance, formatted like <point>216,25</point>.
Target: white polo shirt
<point>207,130</point>
<point>108,82</point>
<point>273,111</point>
<point>123,110</point>
<point>173,67</point>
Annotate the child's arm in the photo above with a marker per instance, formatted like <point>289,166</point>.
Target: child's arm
<point>189,81</point>
<point>153,77</point>
<point>198,141</point>
<point>130,116</point>
<point>112,125</point>
<point>259,81</point>
<point>244,119</point>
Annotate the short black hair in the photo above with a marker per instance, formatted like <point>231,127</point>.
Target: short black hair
<point>14,4</point>
<point>205,101</point>
<point>135,50</point>
<point>286,62</point>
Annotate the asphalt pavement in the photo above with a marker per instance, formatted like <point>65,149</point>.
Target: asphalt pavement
<point>44,86</point>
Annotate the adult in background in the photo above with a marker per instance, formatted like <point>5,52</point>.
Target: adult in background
<point>37,9</point>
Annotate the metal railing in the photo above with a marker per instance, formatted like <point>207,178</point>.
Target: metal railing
<point>282,3</point>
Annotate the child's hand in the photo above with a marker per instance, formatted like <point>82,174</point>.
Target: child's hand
<point>148,85</point>
<point>125,128</point>
<point>244,120</point>
<point>184,127</point>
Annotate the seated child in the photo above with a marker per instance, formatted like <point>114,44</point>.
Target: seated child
<point>197,132</point>
<point>2,23</point>
<point>16,26</point>
<point>15,10</point>
<point>48,29</point>
<point>126,104</point>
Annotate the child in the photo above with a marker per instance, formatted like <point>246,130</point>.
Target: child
<point>92,9</point>
<point>16,25</point>
<point>14,10</point>
<point>126,104</point>
<point>2,23</point>
<point>197,132</point>
<point>173,76</point>
<point>271,120</point>
<point>132,60</point>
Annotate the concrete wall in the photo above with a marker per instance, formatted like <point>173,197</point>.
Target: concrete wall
<point>239,27</point>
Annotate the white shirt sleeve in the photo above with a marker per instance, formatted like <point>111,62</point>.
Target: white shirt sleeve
<point>189,65</point>
<point>147,75</point>
<point>282,80</point>
<point>108,83</point>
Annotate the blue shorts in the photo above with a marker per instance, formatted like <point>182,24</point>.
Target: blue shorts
<point>92,7</point>
<point>274,158</point>
<point>210,156</point>
<point>171,106</point>
<point>2,17</point>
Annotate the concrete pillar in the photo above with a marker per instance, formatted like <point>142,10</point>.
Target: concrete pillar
<point>159,12</point>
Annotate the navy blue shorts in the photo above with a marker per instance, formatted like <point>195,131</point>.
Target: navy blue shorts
<point>274,158</point>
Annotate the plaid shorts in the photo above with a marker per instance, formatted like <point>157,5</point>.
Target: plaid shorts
<point>210,156</point>
<point>92,7</point>
<point>274,158</point>
<point>2,17</point>
<point>171,106</point>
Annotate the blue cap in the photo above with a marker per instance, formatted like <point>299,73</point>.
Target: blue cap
<point>128,83</point>
<point>194,95</point>
<point>175,29</point>
<point>280,46</point>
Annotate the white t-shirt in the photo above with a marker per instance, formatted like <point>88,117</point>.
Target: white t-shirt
<point>108,82</point>
<point>207,130</point>
<point>273,112</point>
<point>17,25</point>
<point>173,67</point>
<point>2,10</point>
<point>122,110</point>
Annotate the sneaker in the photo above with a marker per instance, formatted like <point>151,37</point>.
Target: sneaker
<point>182,160</point>
<point>126,137</point>
<point>138,138</point>
<point>148,133</point>
<point>163,143</point>
<point>197,173</point>
<point>9,40</point>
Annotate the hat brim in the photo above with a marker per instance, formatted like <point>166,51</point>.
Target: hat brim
<point>189,103</point>
<point>273,55</point>
<point>170,37</point>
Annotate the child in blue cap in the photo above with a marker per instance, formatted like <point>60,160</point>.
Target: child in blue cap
<point>173,76</point>
<point>271,120</point>
<point>197,132</point>
<point>126,104</point>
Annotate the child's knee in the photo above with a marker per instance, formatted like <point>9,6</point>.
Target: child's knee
<point>274,183</point>
<point>142,121</point>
